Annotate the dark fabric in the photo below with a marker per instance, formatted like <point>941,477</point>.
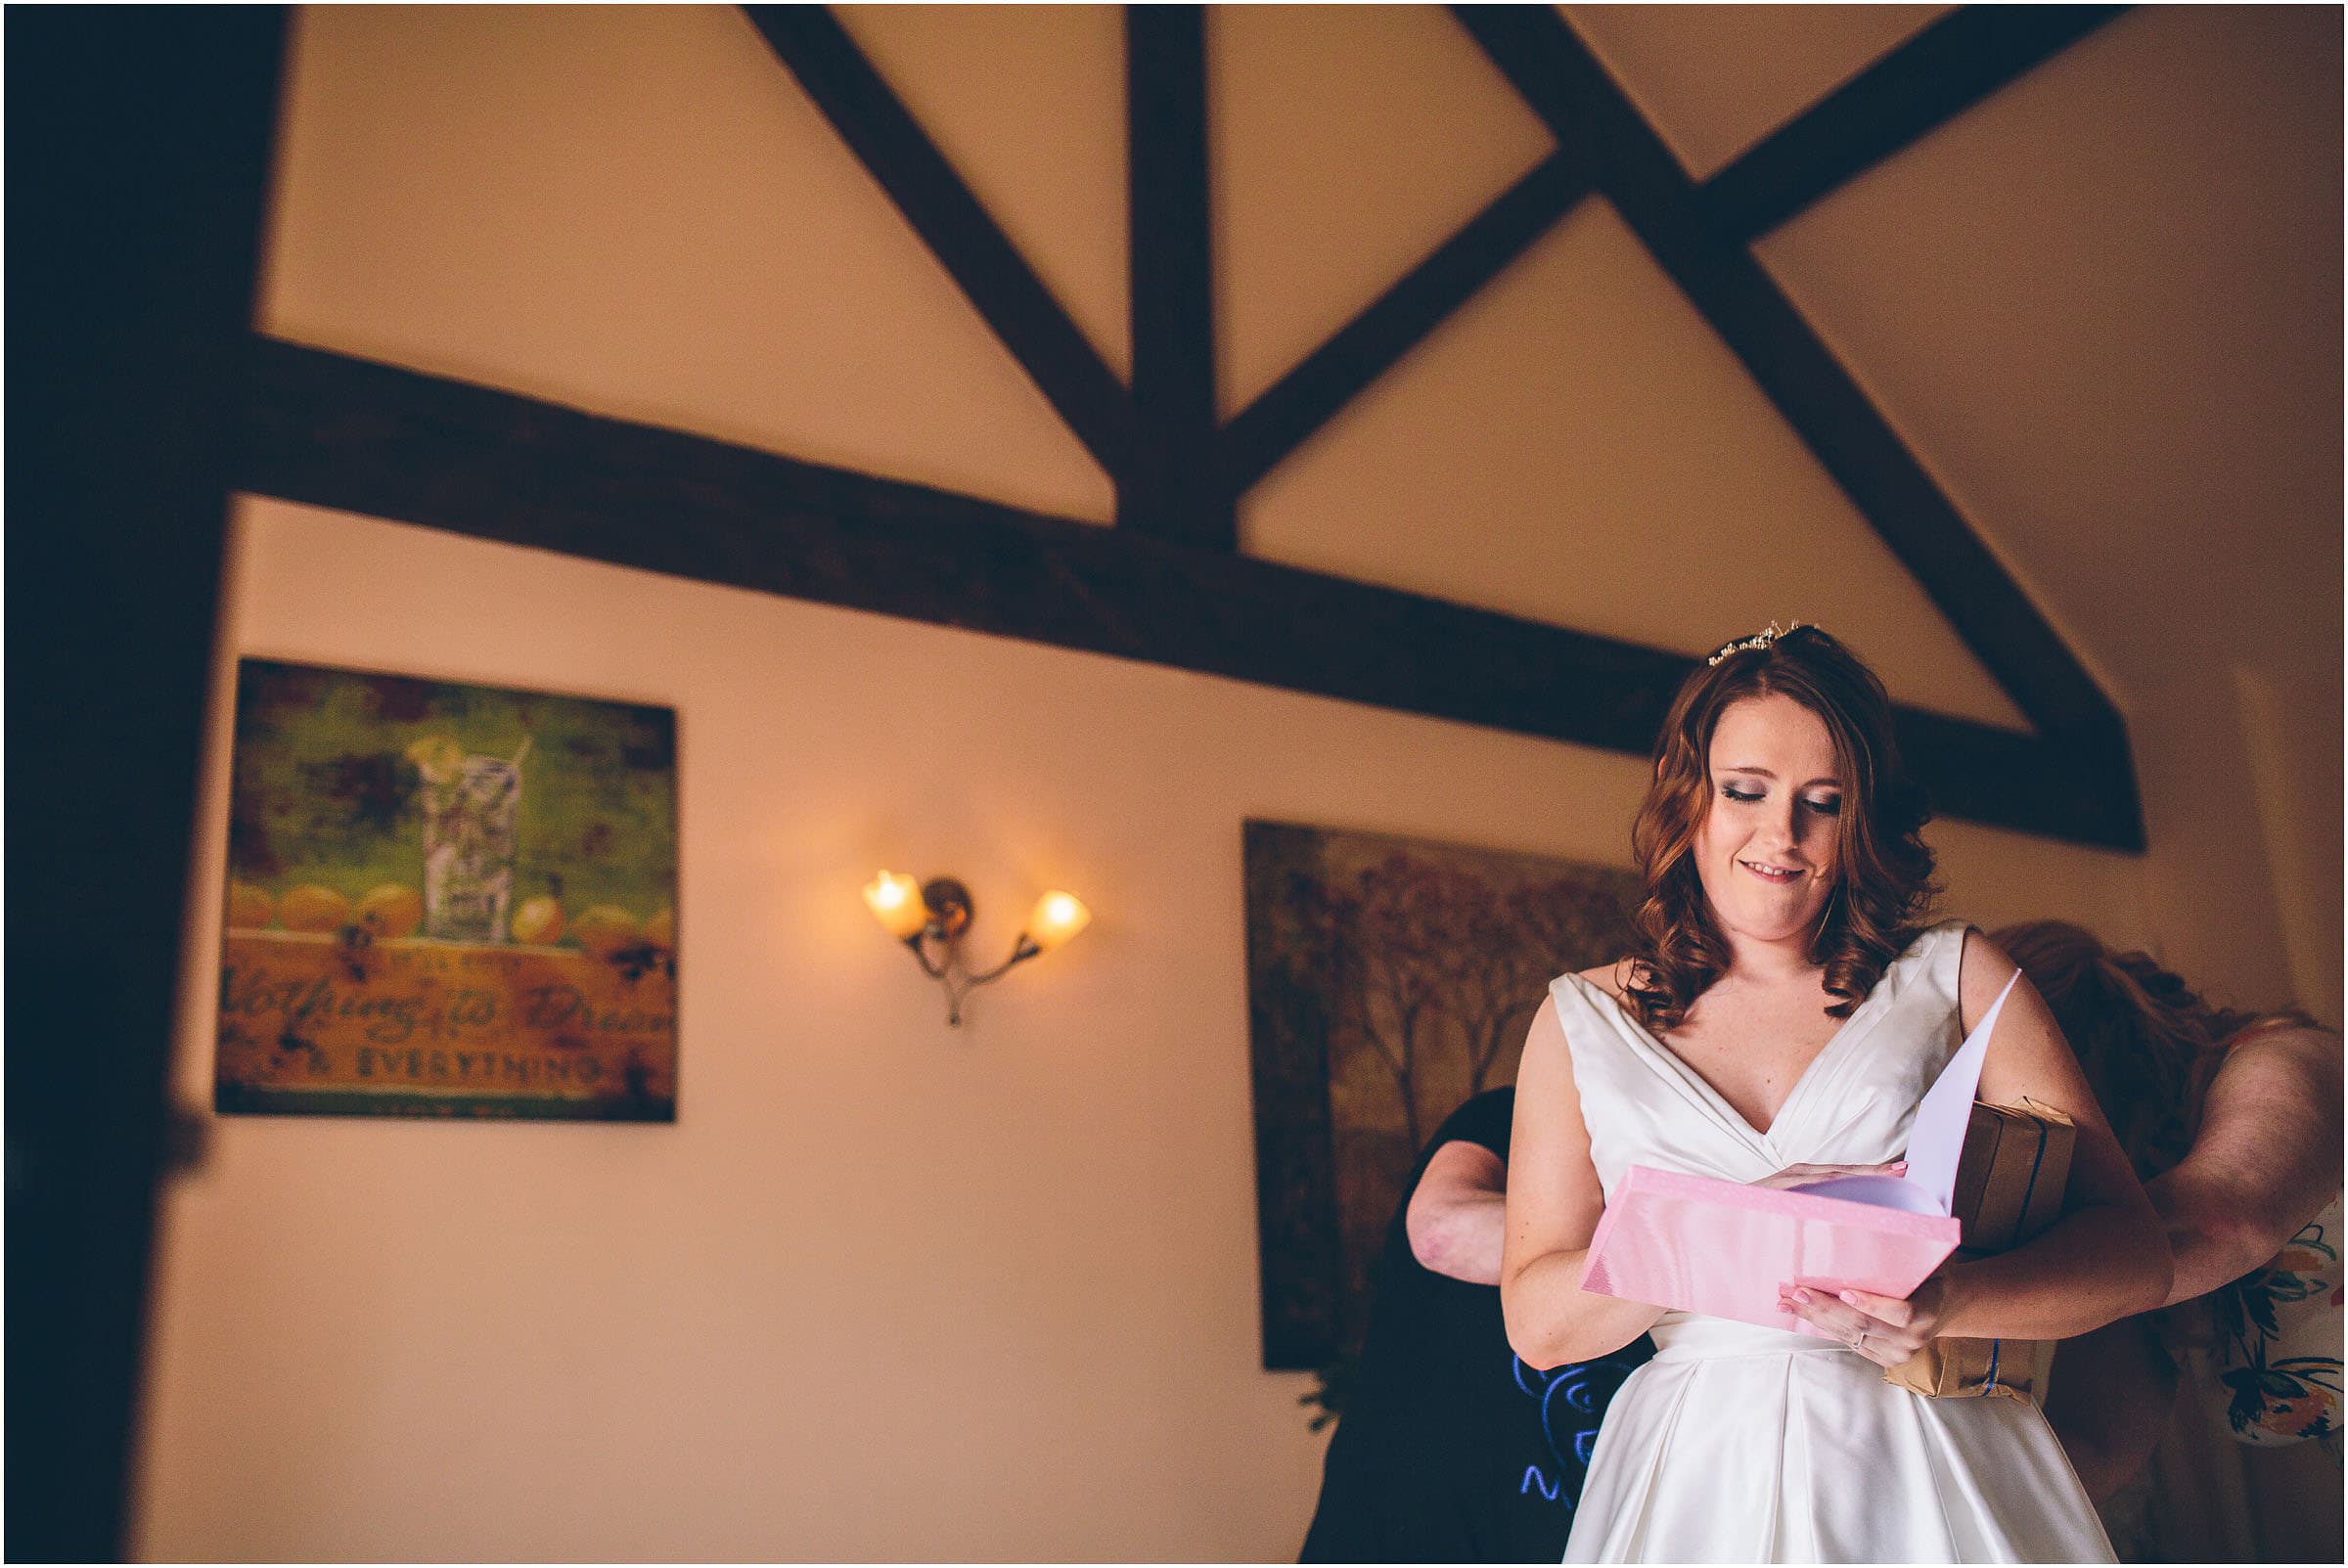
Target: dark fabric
<point>1453,1450</point>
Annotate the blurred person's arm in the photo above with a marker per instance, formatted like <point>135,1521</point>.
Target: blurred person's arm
<point>2110,1401</point>
<point>1458,1218</point>
<point>2266,1158</point>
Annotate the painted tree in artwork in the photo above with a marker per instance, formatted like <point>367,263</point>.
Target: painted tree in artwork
<point>1439,971</point>
<point>1495,967</point>
<point>1389,939</point>
<point>1501,950</point>
<point>1574,920</point>
<point>1534,933</point>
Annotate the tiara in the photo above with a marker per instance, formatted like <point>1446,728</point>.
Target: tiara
<point>1762,639</point>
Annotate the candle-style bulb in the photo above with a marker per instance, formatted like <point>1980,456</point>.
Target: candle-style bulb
<point>1057,917</point>
<point>895,900</point>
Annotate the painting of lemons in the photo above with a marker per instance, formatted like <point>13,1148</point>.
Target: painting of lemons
<point>447,899</point>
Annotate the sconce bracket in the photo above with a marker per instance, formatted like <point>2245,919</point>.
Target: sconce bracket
<point>949,905</point>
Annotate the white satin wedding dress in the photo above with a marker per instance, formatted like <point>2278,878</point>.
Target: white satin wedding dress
<point>1738,1444</point>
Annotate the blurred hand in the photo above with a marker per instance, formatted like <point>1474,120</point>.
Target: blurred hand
<point>1802,1175</point>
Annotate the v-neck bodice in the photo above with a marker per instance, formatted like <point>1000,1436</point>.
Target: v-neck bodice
<point>1644,1104</point>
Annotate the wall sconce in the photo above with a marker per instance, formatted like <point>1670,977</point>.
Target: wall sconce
<point>938,911</point>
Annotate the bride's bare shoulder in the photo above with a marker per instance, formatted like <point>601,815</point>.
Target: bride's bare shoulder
<point>1611,978</point>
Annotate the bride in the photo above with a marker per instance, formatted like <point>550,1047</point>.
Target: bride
<point>1785,1008</point>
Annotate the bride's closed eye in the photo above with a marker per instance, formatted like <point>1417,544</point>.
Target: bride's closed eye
<point>1831,807</point>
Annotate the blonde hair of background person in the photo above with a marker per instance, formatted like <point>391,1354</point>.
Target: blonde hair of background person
<point>2233,1121</point>
<point>1787,876</point>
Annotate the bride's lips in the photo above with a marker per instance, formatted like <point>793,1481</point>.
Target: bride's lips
<point>1774,881</point>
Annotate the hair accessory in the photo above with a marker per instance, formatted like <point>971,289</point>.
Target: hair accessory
<point>1763,638</point>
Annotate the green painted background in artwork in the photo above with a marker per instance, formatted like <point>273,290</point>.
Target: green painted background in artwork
<point>323,791</point>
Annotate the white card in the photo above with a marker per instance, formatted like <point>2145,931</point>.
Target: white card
<point>1936,1141</point>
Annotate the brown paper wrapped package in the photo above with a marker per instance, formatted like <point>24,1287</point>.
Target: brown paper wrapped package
<point>2009,1181</point>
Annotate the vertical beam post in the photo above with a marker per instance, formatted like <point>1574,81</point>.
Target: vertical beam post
<point>138,155</point>
<point>1171,492</point>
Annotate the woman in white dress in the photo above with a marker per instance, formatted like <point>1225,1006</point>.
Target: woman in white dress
<point>1784,1011</point>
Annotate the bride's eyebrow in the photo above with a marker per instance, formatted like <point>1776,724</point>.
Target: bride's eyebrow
<point>1828,781</point>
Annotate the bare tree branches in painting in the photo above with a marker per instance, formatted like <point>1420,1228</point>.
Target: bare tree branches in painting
<point>1389,979</point>
<point>1385,938</point>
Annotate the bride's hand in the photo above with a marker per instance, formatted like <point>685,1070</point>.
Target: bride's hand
<point>1803,1175</point>
<point>1883,1328</point>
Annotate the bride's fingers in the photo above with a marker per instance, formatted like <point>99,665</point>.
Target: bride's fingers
<point>1885,1352</point>
<point>1890,1309</point>
<point>1840,1322</point>
<point>1799,1175</point>
<point>1883,1342</point>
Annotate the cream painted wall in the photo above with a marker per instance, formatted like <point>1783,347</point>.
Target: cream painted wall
<point>884,1291</point>
<point>610,206</point>
<point>1714,79</point>
<point>1347,142</point>
<point>1566,443</point>
<point>1028,105</point>
<point>2105,308</point>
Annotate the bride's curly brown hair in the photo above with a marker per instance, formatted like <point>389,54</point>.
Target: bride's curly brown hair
<point>1883,887</point>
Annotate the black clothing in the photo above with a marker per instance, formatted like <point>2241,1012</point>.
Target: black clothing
<point>1452,1450</point>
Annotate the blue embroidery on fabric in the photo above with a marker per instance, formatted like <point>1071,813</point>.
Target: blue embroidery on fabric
<point>1573,1402</point>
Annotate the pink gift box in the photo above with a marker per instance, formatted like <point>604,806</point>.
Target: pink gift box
<point>1701,1244</point>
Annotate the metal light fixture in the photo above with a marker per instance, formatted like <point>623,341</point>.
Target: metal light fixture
<point>938,913</point>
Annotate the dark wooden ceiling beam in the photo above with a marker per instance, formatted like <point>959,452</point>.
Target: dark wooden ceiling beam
<point>331,430</point>
<point>1942,71</point>
<point>1286,414</point>
<point>982,261</point>
<point>1564,84</point>
<point>1171,491</point>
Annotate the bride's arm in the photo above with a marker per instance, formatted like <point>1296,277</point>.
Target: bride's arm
<point>1553,1204</point>
<point>2107,1258</point>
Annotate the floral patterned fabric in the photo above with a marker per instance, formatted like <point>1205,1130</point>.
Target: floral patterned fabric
<point>2278,1349</point>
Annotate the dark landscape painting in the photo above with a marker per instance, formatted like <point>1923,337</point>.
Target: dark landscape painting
<point>1389,979</point>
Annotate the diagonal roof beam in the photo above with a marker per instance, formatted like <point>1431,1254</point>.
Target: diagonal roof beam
<point>981,260</point>
<point>1933,76</point>
<point>1286,414</point>
<point>1564,84</point>
<point>1930,79</point>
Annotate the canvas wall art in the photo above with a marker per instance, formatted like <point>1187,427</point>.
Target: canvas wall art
<point>1389,979</point>
<point>447,899</point>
